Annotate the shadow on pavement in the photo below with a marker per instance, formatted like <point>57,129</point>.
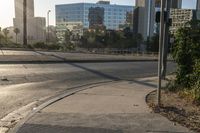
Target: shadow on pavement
<point>36,128</point>
<point>111,77</point>
<point>101,74</point>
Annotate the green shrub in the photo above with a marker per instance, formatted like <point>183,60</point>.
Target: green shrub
<point>197,91</point>
<point>29,46</point>
<point>53,46</point>
<point>39,45</point>
<point>172,86</point>
<point>196,75</point>
<point>42,45</point>
<point>186,53</point>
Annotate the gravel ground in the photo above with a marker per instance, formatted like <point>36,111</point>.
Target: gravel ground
<point>177,109</point>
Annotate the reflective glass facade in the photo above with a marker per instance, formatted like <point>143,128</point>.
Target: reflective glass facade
<point>114,15</point>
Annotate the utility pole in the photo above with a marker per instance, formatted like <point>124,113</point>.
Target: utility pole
<point>166,39</point>
<point>161,37</point>
<point>25,22</point>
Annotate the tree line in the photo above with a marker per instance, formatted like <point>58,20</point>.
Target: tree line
<point>5,39</point>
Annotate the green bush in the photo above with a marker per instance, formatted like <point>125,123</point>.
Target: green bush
<point>42,45</point>
<point>67,47</point>
<point>29,46</point>
<point>53,46</point>
<point>39,45</point>
<point>186,53</point>
<point>196,89</point>
<point>196,79</point>
<point>182,56</point>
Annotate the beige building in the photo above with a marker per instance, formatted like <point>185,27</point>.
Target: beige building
<point>36,26</point>
<point>76,28</point>
<point>182,16</point>
<point>60,33</point>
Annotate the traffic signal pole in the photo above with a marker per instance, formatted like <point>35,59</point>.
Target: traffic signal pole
<point>166,39</point>
<point>161,37</point>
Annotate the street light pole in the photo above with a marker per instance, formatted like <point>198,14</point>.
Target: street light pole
<point>25,22</point>
<point>48,25</point>
<point>161,37</point>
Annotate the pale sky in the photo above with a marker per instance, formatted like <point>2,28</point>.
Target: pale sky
<point>42,6</point>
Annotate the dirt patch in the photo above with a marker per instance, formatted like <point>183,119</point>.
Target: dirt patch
<point>176,109</point>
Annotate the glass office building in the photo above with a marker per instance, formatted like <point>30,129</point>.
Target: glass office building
<point>114,15</point>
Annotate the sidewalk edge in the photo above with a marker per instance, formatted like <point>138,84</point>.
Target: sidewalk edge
<point>53,100</point>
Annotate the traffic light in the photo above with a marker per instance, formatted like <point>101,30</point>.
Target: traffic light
<point>158,17</point>
<point>166,19</point>
<point>170,22</point>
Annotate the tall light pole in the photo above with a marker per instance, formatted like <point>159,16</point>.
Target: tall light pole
<point>25,22</point>
<point>161,42</point>
<point>48,25</point>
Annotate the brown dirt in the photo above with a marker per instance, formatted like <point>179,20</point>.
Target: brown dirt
<point>177,109</point>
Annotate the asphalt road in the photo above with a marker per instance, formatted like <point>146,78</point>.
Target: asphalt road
<point>22,84</point>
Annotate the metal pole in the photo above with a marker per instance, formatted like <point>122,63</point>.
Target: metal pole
<point>25,22</point>
<point>16,38</point>
<point>48,25</point>
<point>166,40</point>
<point>160,52</point>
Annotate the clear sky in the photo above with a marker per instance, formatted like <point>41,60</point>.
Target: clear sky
<point>42,6</point>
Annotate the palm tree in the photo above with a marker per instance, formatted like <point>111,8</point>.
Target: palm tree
<point>25,22</point>
<point>17,31</point>
<point>6,32</point>
<point>1,36</point>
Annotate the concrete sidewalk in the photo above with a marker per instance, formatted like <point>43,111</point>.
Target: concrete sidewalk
<point>111,108</point>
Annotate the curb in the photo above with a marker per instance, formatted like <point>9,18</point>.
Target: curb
<point>53,100</point>
<point>72,61</point>
<point>146,97</point>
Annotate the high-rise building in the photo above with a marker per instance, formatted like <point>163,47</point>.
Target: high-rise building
<point>198,5</point>
<point>174,3</point>
<point>113,15</point>
<point>19,8</point>
<point>36,26</point>
<point>96,17</point>
<point>144,15</point>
